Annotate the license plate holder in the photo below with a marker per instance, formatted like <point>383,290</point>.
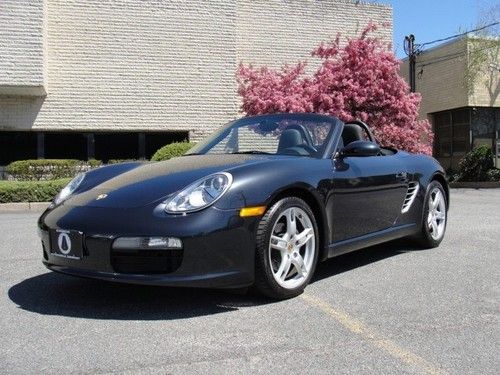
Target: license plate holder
<point>66,243</point>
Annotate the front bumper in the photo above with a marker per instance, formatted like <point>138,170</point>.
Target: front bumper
<point>218,245</point>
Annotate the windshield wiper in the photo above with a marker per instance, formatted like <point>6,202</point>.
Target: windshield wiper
<point>252,152</point>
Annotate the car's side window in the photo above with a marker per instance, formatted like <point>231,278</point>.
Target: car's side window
<point>354,132</point>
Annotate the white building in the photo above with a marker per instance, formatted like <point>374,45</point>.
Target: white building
<point>119,78</point>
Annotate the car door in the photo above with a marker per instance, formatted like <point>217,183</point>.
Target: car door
<point>366,196</point>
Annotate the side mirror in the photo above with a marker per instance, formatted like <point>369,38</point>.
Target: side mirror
<point>360,148</point>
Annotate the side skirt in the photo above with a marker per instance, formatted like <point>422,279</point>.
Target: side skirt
<point>371,239</point>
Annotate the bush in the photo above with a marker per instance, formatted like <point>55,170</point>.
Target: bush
<point>476,165</point>
<point>172,150</point>
<point>493,174</point>
<point>48,169</point>
<point>118,161</point>
<point>30,191</point>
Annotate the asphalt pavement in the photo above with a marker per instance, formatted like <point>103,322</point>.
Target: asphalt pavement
<point>390,309</point>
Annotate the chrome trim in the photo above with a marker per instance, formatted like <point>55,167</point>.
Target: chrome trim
<point>411,194</point>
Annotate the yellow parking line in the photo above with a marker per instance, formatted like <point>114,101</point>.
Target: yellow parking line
<point>370,335</point>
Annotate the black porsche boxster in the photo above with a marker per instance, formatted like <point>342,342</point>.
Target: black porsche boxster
<point>259,203</point>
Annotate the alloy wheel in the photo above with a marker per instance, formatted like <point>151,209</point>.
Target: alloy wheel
<point>436,217</point>
<point>291,248</point>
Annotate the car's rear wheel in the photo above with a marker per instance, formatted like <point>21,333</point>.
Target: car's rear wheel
<point>287,249</point>
<point>434,217</point>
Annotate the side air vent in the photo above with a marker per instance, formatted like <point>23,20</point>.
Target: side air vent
<point>410,196</point>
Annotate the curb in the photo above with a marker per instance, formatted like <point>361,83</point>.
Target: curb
<point>476,185</point>
<point>24,206</point>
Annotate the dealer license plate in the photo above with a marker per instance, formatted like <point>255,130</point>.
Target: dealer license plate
<point>67,243</point>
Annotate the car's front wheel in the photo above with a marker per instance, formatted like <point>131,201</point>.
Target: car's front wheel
<point>287,249</point>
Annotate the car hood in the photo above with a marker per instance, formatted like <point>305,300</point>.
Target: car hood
<point>152,182</point>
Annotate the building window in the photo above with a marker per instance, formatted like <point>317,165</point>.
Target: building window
<point>485,122</point>
<point>17,146</point>
<point>461,132</point>
<point>65,146</point>
<point>83,146</point>
<point>116,146</point>
<point>442,134</point>
<point>452,137</point>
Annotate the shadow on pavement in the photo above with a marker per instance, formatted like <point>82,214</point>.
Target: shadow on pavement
<point>55,294</point>
<point>363,257</point>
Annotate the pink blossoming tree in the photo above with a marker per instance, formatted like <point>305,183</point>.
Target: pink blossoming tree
<point>359,80</point>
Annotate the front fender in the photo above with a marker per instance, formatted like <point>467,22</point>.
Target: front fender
<point>257,185</point>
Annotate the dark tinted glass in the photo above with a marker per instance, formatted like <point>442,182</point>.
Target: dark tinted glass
<point>65,146</point>
<point>17,146</point>
<point>116,146</point>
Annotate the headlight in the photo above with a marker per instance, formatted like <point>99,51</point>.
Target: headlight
<point>69,188</point>
<point>199,194</point>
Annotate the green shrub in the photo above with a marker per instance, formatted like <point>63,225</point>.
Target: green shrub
<point>30,191</point>
<point>172,150</point>
<point>118,161</point>
<point>48,169</point>
<point>475,165</point>
<point>493,174</point>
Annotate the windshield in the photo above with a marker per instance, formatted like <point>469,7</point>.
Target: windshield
<point>284,134</point>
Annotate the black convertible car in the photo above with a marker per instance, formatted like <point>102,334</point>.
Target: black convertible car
<point>260,202</point>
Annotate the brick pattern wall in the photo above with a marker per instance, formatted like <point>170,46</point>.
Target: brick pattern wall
<point>275,32</point>
<point>440,78</point>
<point>486,91</point>
<point>130,65</point>
<point>169,65</point>
<point>22,47</point>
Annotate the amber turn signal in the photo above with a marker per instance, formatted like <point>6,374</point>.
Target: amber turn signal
<point>252,211</point>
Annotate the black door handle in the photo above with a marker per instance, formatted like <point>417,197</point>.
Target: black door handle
<point>402,176</point>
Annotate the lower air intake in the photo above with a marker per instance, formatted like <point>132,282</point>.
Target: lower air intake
<point>146,261</point>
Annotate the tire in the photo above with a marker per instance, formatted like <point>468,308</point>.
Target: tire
<point>432,233</point>
<point>284,267</point>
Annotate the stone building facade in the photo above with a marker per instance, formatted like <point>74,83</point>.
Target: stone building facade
<point>460,86</point>
<point>119,78</point>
